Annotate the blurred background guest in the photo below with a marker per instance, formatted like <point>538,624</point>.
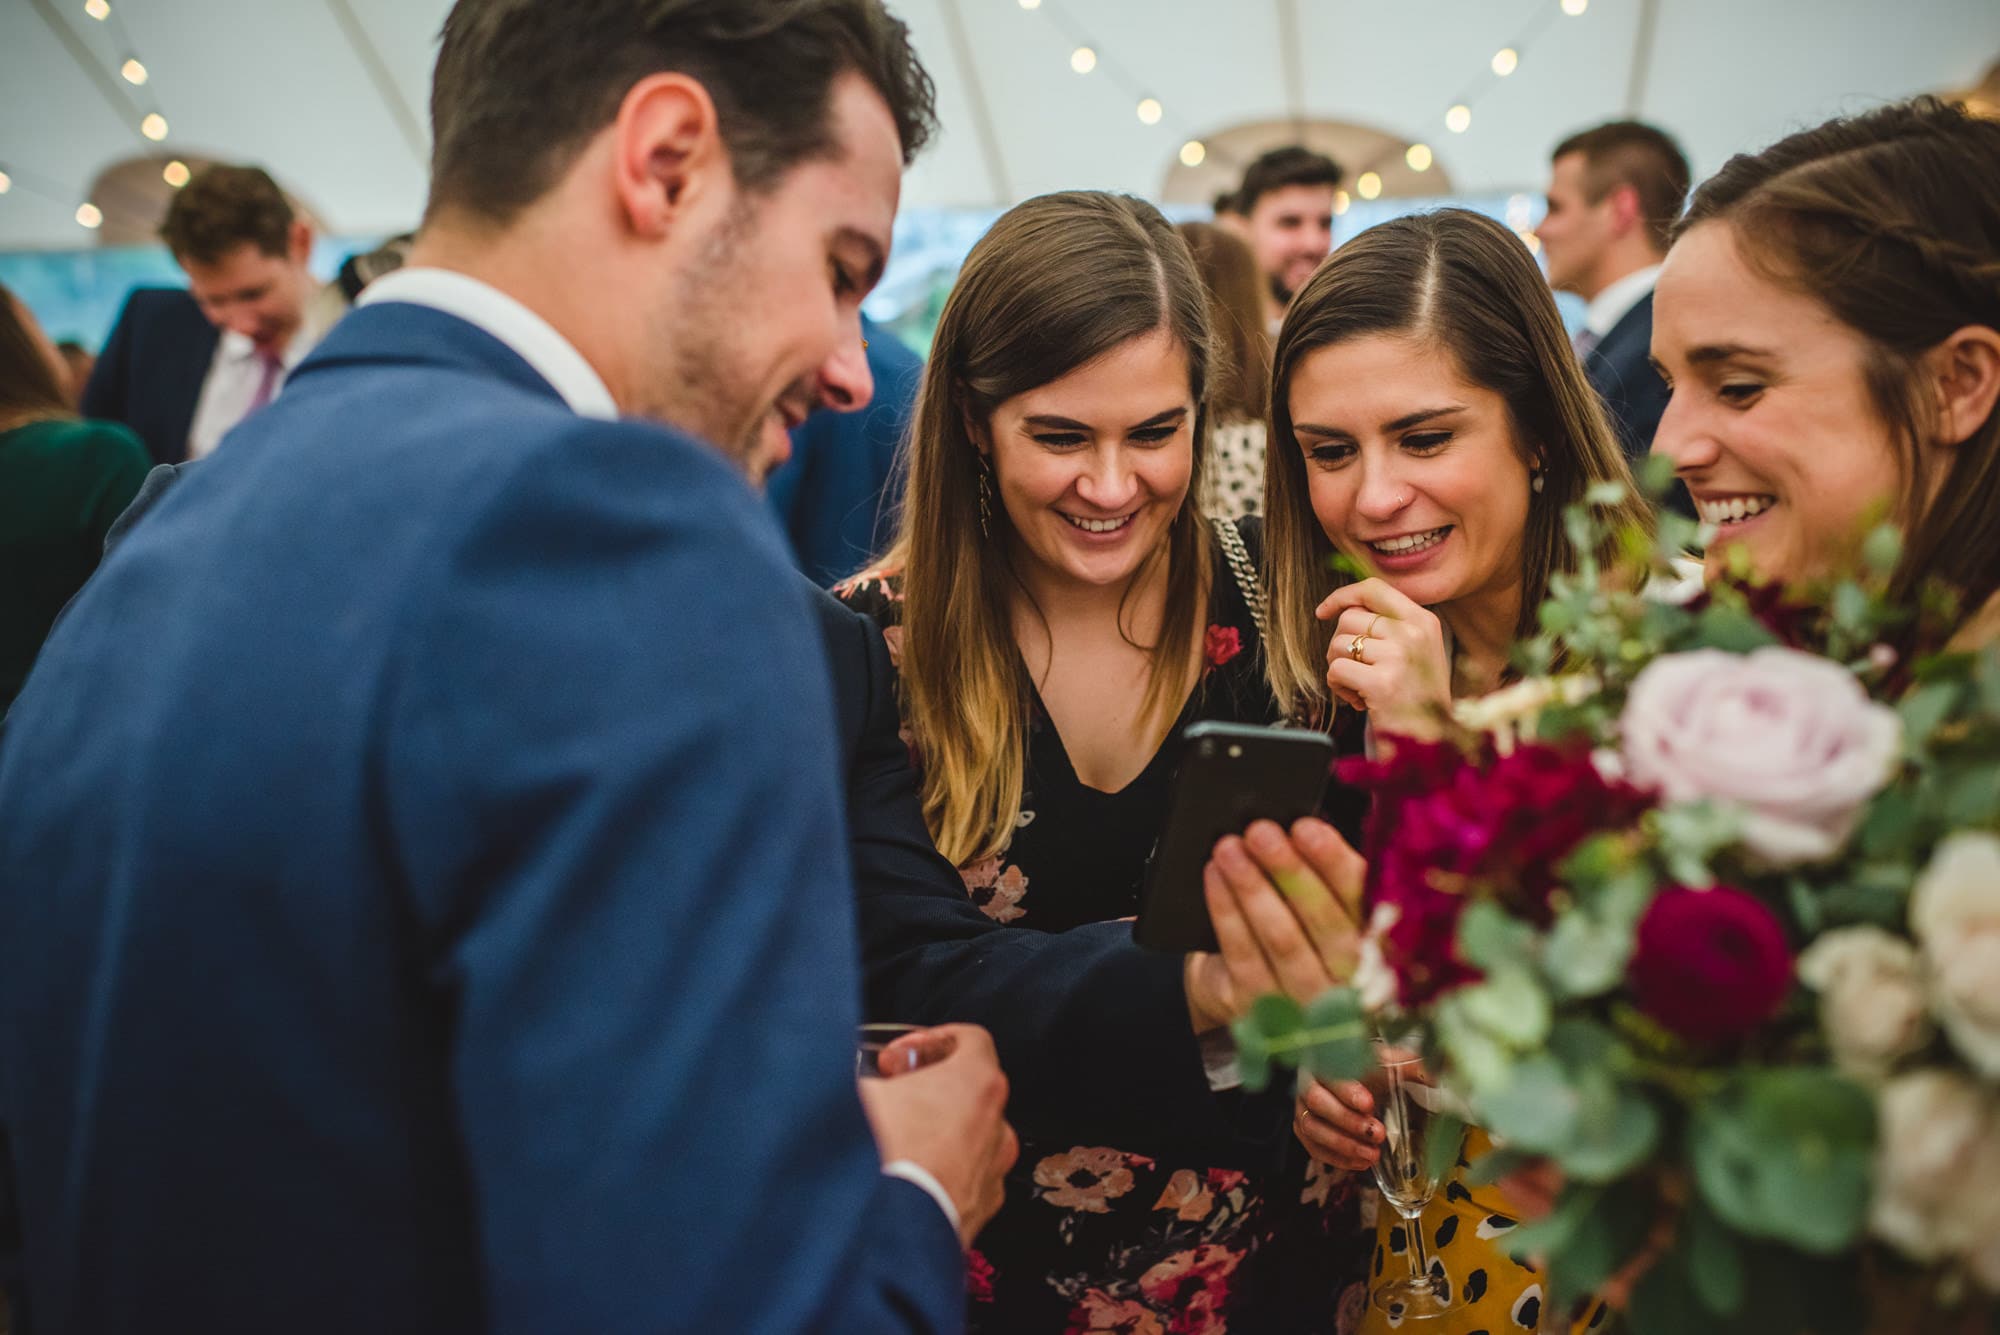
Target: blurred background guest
<point>1228,216</point>
<point>836,496</point>
<point>1614,193</point>
<point>62,482</point>
<point>1235,483</point>
<point>183,367</point>
<point>1286,202</point>
<point>78,363</point>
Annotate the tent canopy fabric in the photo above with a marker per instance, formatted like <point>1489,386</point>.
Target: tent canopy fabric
<point>331,94</point>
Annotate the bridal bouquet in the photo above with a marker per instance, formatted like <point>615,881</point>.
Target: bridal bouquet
<point>1705,910</point>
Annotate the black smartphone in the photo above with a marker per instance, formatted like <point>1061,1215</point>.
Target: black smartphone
<point>1230,775</point>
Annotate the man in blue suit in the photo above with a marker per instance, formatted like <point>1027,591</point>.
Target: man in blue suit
<point>837,495</point>
<point>1614,193</point>
<point>450,930</point>
<point>183,367</point>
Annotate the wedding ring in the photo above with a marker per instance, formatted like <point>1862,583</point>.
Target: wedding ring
<point>1355,646</point>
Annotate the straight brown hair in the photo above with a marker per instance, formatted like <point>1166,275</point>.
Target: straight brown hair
<point>1242,354</point>
<point>29,390</point>
<point>1891,221</point>
<point>1469,287</point>
<point>1057,282</point>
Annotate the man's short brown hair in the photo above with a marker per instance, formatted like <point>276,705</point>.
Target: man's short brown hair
<point>224,207</point>
<point>1293,164</point>
<point>1641,156</point>
<point>522,85</point>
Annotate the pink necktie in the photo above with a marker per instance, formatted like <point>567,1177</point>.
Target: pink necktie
<point>268,385</point>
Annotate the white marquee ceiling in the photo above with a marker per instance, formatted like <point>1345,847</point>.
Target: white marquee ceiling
<point>330,94</point>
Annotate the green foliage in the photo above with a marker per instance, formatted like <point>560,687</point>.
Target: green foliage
<point>1784,1154</point>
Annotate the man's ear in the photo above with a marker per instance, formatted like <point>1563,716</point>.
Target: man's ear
<point>666,150</point>
<point>299,241</point>
<point>1965,373</point>
<point>1625,210</point>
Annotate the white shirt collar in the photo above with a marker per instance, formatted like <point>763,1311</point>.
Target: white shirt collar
<point>1608,307</point>
<point>237,347</point>
<point>486,307</point>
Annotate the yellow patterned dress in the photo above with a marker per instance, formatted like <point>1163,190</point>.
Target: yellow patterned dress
<point>1466,1228</point>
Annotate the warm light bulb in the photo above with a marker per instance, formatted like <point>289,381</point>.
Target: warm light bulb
<point>1505,61</point>
<point>1532,242</point>
<point>1459,119</point>
<point>1419,157</point>
<point>6,183</point>
<point>1192,152</point>
<point>1031,4</point>
<point>88,216</point>
<point>176,174</point>
<point>97,9</point>
<point>1149,110</point>
<point>154,127</point>
<point>134,72</point>
<point>1369,185</point>
<point>1083,60</point>
<point>1575,7</point>
<point>1341,202</point>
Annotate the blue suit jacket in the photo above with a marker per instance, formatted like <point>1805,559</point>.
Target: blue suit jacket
<point>448,930</point>
<point>836,496</point>
<point>1620,369</point>
<point>150,374</point>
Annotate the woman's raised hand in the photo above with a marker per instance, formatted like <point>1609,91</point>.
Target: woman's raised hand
<point>1387,657</point>
<point>1287,912</point>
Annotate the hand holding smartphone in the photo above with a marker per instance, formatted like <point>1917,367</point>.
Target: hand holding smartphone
<point>1230,775</point>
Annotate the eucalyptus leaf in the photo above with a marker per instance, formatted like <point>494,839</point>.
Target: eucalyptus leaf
<point>1804,904</point>
<point>1785,1154</point>
<point>1924,709</point>
<point>1495,1164</point>
<point>1882,549</point>
<point>1253,1055</point>
<point>1552,1233</point>
<point>1613,1139</point>
<point>1341,1047</point>
<point>1586,956</point>
<point>1441,1145</point>
<point>1535,1108</point>
<point>1509,1004</point>
<point>1665,1302</point>
<point>1731,629</point>
<point>1715,1262</point>
<point>1493,939</point>
<point>1852,608</point>
<point>1608,1236</point>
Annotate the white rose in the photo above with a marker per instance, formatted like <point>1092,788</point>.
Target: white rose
<point>1373,979</point>
<point>1937,1171</point>
<point>1955,914</point>
<point>1871,997</point>
<point>1788,739</point>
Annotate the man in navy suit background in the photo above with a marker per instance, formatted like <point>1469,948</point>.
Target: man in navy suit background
<point>182,367</point>
<point>451,930</point>
<point>1614,193</point>
<point>837,495</point>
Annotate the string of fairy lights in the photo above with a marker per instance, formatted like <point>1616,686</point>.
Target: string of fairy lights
<point>1087,57</point>
<point>148,119</point>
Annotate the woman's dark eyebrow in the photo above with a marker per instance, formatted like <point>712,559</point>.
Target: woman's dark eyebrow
<point>1052,422</point>
<point>1422,415</point>
<point>1721,352</point>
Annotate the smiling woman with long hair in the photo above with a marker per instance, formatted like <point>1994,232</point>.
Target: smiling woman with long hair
<point>1060,609</point>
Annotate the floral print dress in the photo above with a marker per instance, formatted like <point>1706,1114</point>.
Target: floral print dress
<point>1243,1237</point>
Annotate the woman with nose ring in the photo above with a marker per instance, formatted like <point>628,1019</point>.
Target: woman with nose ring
<point>1429,424</point>
<point>1059,610</point>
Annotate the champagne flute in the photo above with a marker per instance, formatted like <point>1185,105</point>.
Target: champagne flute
<point>1408,1105</point>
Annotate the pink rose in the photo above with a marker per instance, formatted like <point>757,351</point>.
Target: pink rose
<point>1789,740</point>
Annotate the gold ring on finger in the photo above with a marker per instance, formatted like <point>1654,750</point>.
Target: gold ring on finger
<point>1355,646</point>
<point>1372,625</point>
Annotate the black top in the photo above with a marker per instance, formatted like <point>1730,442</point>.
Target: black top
<point>1096,1237</point>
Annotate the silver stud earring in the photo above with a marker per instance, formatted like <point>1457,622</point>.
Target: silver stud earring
<point>1535,482</point>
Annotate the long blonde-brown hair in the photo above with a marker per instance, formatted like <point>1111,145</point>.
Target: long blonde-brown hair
<point>1466,284</point>
<point>1057,282</point>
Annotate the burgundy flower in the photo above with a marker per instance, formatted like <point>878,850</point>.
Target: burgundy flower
<point>1222,644</point>
<point>1445,829</point>
<point>1710,965</point>
<point>978,1277</point>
